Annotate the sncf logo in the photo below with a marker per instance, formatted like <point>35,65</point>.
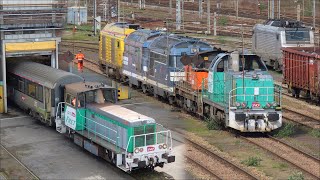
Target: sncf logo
<point>150,148</point>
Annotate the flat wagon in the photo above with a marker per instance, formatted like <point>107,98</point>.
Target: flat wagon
<point>302,71</point>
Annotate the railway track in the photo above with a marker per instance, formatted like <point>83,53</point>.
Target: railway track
<point>19,162</point>
<point>221,167</point>
<point>309,164</point>
<point>199,164</point>
<point>300,118</point>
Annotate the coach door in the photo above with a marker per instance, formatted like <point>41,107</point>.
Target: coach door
<point>47,94</point>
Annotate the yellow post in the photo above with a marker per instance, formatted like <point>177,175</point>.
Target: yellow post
<point>1,98</point>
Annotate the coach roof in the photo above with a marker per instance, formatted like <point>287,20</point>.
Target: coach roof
<point>42,74</point>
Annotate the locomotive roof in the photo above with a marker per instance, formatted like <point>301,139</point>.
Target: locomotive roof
<point>168,42</point>
<point>121,114</point>
<point>79,87</point>
<point>142,35</point>
<point>119,28</point>
<point>42,74</point>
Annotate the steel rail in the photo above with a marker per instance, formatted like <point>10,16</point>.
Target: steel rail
<point>24,166</point>
<point>283,158</point>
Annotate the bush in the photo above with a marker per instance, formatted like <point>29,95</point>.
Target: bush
<point>223,21</point>
<point>214,124</point>
<point>287,130</point>
<point>296,176</point>
<point>252,161</point>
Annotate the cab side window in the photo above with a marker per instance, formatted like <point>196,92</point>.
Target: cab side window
<point>220,67</point>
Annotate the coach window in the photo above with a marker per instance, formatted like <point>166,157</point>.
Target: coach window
<point>21,85</point>
<point>39,93</point>
<point>31,91</point>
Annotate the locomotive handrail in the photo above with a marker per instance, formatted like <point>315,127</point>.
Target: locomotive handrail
<point>231,96</point>
<point>166,132</point>
<point>95,129</point>
<point>89,129</point>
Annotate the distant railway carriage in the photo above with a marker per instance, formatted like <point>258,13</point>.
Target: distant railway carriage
<point>302,71</point>
<point>270,37</point>
<point>86,112</point>
<point>111,46</point>
<point>36,88</point>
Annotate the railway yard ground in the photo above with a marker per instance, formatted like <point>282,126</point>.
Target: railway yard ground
<point>203,149</point>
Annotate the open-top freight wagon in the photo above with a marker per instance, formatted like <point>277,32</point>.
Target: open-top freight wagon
<point>302,71</point>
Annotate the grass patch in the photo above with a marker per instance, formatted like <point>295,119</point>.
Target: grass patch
<point>214,124</point>
<point>315,133</point>
<point>281,166</point>
<point>252,161</point>
<point>79,36</point>
<point>286,131</point>
<point>223,21</point>
<point>296,176</point>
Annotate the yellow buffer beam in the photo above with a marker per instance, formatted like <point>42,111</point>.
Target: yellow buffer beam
<point>30,46</point>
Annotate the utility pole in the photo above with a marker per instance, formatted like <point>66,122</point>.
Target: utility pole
<point>279,15</point>
<point>298,12</point>
<point>272,9</point>
<point>182,13</point>
<point>94,18</point>
<point>178,15</point>
<point>268,9</point>
<point>170,7</point>
<point>200,9</point>
<point>237,8</point>
<point>105,10</point>
<point>314,13</point>
<point>208,18</point>
<point>302,9</point>
<point>215,24</point>
<point>119,10</point>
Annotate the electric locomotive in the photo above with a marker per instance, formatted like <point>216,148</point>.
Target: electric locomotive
<point>270,37</point>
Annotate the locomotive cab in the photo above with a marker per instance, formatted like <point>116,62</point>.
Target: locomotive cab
<point>242,84</point>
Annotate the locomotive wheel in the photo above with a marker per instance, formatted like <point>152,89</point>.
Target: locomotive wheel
<point>171,100</point>
<point>144,88</point>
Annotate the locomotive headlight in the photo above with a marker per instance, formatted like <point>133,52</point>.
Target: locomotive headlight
<point>268,105</point>
<point>274,104</point>
<point>238,104</point>
<point>244,105</point>
<point>164,146</point>
<point>160,146</point>
<point>136,150</point>
<point>141,149</point>
<point>129,155</point>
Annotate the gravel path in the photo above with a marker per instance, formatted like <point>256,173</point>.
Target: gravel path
<point>286,152</point>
